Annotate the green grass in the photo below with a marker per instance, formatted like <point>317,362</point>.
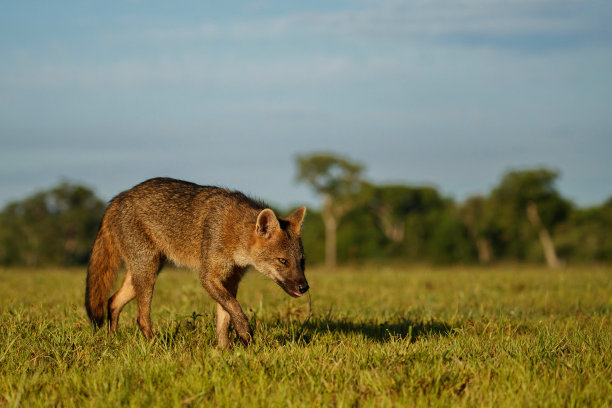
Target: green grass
<point>374,336</point>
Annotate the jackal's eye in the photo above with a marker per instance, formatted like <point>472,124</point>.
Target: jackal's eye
<point>282,260</point>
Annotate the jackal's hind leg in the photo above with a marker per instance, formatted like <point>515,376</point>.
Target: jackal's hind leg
<point>144,275</point>
<point>116,303</point>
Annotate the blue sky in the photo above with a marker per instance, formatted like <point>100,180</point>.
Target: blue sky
<point>446,93</point>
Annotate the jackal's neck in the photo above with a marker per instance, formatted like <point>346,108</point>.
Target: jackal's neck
<point>243,232</point>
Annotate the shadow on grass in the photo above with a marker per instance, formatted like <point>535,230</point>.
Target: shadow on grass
<point>314,327</point>
<point>404,329</point>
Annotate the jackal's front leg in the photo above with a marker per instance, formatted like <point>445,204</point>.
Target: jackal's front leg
<point>223,317</point>
<point>228,308</point>
<point>223,324</point>
<point>232,308</point>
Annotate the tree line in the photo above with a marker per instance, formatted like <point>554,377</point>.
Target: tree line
<point>523,218</point>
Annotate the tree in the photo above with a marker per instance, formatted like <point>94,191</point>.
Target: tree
<point>449,242</point>
<point>392,204</point>
<point>406,215</point>
<point>475,214</point>
<point>526,202</point>
<point>337,181</point>
<point>585,236</point>
<point>53,227</point>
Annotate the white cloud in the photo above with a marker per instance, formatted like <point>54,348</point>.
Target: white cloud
<point>186,71</point>
<point>443,18</point>
<point>377,38</point>
<point>402,21</point>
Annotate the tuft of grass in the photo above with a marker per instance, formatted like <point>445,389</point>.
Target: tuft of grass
<point>370,336</point>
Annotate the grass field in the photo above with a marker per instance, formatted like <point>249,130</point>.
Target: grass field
<point>371,336</point>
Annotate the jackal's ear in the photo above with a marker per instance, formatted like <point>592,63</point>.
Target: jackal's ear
<point>267,223</point>
<point>296,219</point>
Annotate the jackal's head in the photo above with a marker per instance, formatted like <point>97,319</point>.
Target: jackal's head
<point>277,250</point>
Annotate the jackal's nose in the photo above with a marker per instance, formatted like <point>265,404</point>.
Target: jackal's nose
<point>304,288</point>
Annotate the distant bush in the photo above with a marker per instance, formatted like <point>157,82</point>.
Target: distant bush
<point>53,227</point>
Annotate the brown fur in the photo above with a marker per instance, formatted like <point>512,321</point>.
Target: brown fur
<point>213,230</point>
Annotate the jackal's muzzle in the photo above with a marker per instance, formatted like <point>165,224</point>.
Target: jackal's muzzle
<point>295,289</point>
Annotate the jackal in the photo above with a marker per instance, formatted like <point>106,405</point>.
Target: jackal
<point>215,231</point>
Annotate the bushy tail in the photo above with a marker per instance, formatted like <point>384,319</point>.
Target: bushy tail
<point>101,274</point>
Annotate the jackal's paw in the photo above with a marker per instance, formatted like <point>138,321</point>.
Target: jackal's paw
<point>246,338</point>
<point>246,341</point>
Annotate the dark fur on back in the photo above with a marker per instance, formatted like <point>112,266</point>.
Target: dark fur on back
<point>183,189</point>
